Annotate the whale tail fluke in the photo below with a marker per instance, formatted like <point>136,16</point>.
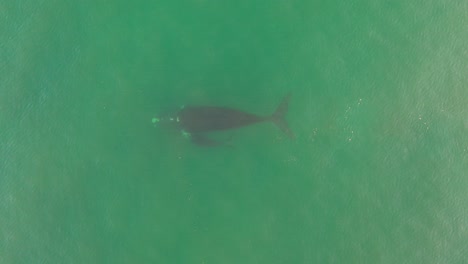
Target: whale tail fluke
<point>279,116</point>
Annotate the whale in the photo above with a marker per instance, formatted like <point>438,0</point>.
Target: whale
<point>196,122</point>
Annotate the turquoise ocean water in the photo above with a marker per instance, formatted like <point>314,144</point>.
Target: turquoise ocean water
<point>377,173</point>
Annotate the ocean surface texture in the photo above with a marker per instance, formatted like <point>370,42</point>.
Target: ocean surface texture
<point>378,172</point>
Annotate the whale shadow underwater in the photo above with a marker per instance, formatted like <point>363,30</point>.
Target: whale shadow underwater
<point>195,122</point>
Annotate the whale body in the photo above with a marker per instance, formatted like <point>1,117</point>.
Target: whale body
<point>197,121</point>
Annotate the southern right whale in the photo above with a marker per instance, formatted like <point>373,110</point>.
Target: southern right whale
<point>197,121</point>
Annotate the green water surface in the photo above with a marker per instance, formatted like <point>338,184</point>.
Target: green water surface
<point>377,172</point>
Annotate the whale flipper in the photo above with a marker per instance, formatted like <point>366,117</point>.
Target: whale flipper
<point>203,140</point>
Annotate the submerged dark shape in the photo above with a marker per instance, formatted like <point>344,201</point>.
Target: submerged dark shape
<point>195,121</point>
